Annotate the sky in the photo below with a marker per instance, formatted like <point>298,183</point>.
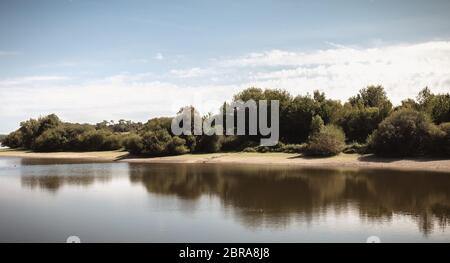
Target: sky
<point>92,60</point>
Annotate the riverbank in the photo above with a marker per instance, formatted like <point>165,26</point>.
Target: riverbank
<point>339,161</point>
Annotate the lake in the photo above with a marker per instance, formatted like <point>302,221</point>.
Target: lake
<point>49,200</point>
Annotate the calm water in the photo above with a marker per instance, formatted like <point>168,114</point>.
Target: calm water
<point>47,201</point>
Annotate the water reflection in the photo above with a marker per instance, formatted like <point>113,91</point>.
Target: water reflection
<point>51,174</point>
<point>259,196</point>
<point>274,195</point>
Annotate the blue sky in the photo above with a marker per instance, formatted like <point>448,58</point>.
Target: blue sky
<point>86,60</point>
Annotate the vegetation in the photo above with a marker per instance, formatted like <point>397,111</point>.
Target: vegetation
<point>406,132</point>
<point>310,124</point>
<point>329,140</point>
<point>2,137</point>
<point>50,134</point>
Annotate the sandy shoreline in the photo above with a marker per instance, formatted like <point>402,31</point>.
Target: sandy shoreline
<point>340,161</point>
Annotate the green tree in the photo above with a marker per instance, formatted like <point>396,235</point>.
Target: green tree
<point>359,122</point>
<point>13,140</point>
<point>372,96</point>
<point>440,111</point>
<point>405,132</point>
<point>54,139</point>
<point>298,118</point>
<point>316,124</point>
<point>133,144</point>
<point>445,141</point>
<point>330,140</point>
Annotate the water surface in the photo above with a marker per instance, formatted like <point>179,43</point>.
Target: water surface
<point>49,200</point>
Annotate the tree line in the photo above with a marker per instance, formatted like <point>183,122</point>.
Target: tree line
<point>310,124</point>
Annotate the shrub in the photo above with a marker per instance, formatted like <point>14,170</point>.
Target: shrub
<point>358,122</point>
<point>133,144</point>
<point>316,124</point>
<point>191,142</point>
<point>155,143</point>
<point>440,111</point>
<point>404,133</point>
<point>113,142</point>
<point>445,128</point>
<point>355,148</point>
<point>329,141</point>
<point>177,146</point>
<point>209,144</point>
<point>293,148</point>
<point>13,140</point>
<point>99,140</point>
<point>51,140</point>
<point>250,150</point>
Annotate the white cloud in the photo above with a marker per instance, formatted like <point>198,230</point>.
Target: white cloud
<point>120,96</point>
<point>159,56</point>
<point>31,80</point>
<point>339,71</point>
<point>191,73</point>
<point>343,55</point>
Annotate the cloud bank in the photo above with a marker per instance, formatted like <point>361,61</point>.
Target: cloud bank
<point>338,71</point>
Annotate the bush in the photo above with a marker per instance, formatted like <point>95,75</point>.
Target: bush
<point>13,140</point>
<point>358,122</point>
<point>355,148</point>
<point>177,146</point>
<point>440,111</point>
<point>51,140</point>
<point>404,133</point>
<point>329,141</point>
<point>209,144</point>
<point>133,144</point>
<point>72,137</point>
<point>100,140</point>
<point>249,150</point>
<point>191,142</point>
<point>280,147</point>
<point>233,143</point>
<point>316,124</point>
<point>445,142</point>
<point>294,148</point>
<point>155,143</point>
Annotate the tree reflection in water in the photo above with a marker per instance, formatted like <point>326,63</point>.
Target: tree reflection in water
<point>52,174</point>
<point>266,194</point>
<point>270,195</point>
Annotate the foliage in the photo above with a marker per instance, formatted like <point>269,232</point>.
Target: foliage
<point>133,143</point>
<point>355,148</point>
<point>13,140</point>
<point>445,142</point>
<point>316,124</point>
<point>437,106</point>
<point>359,121</point>
<point>363,112</point>
<point>372,96</point>
<point>50,134</point>
<point>209,144</point>
<point>120,127</point>
<point>405,132</point>
<point>313,118</point>
<point>330,140</point>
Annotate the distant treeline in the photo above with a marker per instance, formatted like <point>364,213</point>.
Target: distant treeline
<point>309,124</point>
